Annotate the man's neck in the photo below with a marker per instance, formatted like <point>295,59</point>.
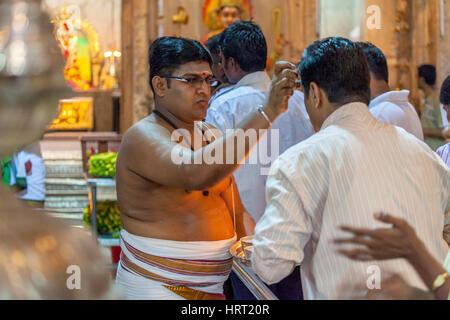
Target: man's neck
<point>240,75</point>
<point>179,124</point>
<point>379,88</point>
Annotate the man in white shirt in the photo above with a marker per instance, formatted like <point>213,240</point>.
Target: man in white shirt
<point>244,54</point>
<point>244,67</point>
<point>431,114</point>
<point>29,166</point>
<point>389,106</point>
<point>354,166</point>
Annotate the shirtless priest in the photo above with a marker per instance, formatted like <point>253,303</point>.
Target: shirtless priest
<point>180,218</point>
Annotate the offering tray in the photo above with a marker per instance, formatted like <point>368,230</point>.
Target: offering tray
<point>237,252</point>
<point>242,268</point>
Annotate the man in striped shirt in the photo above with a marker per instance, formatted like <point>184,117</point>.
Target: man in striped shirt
<point>444,151</point>
<point>352,167</point>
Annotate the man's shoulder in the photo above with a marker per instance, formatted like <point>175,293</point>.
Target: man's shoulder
<point>312,146</point>
<point>388,111</point>
<point>144,130</point>
<point>385,106</point>
<point>302,157</point>
<point>401,104</point>
<point>139,128</point>
<point>410,145</point>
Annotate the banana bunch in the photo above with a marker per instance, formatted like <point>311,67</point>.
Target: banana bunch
<point>103,164</point>
<point>108,217</point>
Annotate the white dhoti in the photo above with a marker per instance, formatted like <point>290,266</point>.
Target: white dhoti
<point>158,269</point>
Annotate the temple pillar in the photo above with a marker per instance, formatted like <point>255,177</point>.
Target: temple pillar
<point>139,29</point>
<point>443,64</point>
<point>425,39</point>
<point>302,17</point>
<point>392,36</point>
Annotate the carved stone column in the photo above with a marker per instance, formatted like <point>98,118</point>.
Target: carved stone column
<point>404,68</point>
<point>425,39</point>
<point>444,43</point>
<point>398,38</point>
<point>383,36</point>
<point>410,36</point>
<point>302,26</point>
<point>138,30</point>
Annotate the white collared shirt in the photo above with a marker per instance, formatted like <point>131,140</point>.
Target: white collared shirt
<point>30,167</point>
<point>444,116</point>
<point>393,107</point>
<point>220,92</point>
<point>353,167</point>
<point>230,108</point>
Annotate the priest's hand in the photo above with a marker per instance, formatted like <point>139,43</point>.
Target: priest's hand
<point>282,87</point>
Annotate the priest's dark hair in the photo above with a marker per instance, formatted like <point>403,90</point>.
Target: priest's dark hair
<point>445,92</point>
<point>166,54</point>
<point>428,72</point>
<point>376,60</point>
<point>339,67</point>
<point>245,42</point>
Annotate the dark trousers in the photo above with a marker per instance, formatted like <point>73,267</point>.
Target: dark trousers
<point>290,288</point>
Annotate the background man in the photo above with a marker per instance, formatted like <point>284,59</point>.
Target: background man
<point>244,53</point>
<point>386,105</point>
<point>431,115</point>
<point>177,216</point>
<point>444,151</point>
<point>24,172</point>
<point>352,167</point>
<point>222,84</point>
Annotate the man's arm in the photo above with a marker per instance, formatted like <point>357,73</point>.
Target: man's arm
<point>398,241</point>
<point>434,133</point>
<point>283,231</point>
<point>152,154</point>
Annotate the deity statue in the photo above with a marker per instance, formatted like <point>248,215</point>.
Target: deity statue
<point>220,14</point>
<point>80,47</point>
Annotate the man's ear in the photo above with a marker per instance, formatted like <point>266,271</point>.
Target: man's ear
<point>160,86</point>
<point>232,64</point>
<point>316,95</point>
